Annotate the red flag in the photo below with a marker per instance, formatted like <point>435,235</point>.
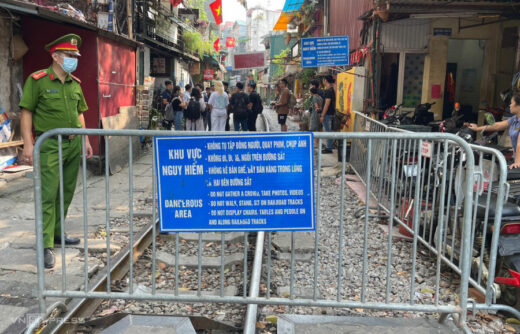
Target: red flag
<point>216,9</point>
<point>216,45</point>
<point>175,3</point>
<point>230,42</point>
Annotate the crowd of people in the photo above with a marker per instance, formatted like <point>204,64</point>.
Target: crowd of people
<point>209,109</point>
<point>322,107</point>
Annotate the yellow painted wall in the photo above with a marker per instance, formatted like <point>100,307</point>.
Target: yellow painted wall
<point>345,91</point>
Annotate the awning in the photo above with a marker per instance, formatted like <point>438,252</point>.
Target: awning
<point>211,60</point>
<point>284,19</point>
<point>292,5</point>
<point>290,9</point>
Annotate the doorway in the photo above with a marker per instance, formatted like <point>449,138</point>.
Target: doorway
<point>389,80</point>
<point>463,76</point>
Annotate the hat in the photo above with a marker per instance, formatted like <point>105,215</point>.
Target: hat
<point>68,43</point>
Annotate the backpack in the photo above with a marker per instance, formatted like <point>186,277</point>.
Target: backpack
<point>259,107</point>
<point>193,111</point>
<point>240,110</point>
<point>292,101</point>
<point>168,112</point>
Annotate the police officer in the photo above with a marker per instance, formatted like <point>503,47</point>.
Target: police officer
<point>52,98</point>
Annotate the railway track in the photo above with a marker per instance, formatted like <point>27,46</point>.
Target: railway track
<point>193,253</point>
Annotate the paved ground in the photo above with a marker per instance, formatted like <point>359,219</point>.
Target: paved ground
<point>17,240</point>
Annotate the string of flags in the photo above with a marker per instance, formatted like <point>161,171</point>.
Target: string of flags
<point>214,12</point>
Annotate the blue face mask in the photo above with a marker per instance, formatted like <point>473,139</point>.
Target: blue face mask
<point>69,64</point>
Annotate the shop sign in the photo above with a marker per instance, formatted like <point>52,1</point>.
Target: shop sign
<point>357,56</point>
<point>209,74</point>
<point>441,31</point>
<point>195,68</point>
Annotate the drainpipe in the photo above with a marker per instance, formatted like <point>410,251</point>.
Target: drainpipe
<point>326,19</point>
<point>130,18</point>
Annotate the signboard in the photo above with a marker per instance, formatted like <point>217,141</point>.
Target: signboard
<point>235,183</point>
<point>248,60</point>
<point>159,65</point>
<point>441,31</point>
<point>195,68</point>
<point>325,51</point>
<point>209,74</point>
<point>427,149</point>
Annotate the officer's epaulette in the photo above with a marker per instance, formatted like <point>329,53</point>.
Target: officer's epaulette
<point>38,75</point>
<point>75,78</point>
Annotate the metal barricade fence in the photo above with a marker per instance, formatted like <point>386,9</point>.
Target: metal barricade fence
<point>440,197</point>
<point>381,154</point>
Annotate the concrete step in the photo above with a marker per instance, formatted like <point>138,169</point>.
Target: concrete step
<point>192,261</point>
<point>209,237</point>
<point>138,324</point>
<point>303,242</point>
<point>313,324</point>
<point>231,290</point>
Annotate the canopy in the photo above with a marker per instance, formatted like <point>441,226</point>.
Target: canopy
<point>284,19</point>
<point>289,10</point>
<point>292,5</point>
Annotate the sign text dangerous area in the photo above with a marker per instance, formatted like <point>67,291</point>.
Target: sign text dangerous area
<point>229,183</point>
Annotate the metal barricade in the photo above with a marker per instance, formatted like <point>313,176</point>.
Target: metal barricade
<point>440,197</point>
<point>380,157</point>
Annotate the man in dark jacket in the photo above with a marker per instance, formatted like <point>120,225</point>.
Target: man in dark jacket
<point>238,106</point>
<point>255,106</point>
<point>166,95</point>
<point>329,110</point>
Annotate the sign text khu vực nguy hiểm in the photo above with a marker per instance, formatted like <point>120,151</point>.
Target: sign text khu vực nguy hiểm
<point>235,183</point>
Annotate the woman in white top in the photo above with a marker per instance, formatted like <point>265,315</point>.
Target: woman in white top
<point>218,103</point>
<point>195,124</point>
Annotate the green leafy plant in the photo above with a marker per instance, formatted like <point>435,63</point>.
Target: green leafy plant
<point>196,44</point>
<point>282,57</point>
<point>198,4</point>
<point>281,60</point>
<point>306,76</point>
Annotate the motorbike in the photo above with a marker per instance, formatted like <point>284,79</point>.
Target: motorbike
<point>421,115</point>
<point>507,272</point>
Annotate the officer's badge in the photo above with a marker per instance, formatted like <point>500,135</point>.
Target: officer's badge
<point>74,41</point>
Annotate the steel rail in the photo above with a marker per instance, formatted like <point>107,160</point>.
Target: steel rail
<point>84,307</point>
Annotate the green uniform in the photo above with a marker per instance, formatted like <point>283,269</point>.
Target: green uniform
<point>55,105</point>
